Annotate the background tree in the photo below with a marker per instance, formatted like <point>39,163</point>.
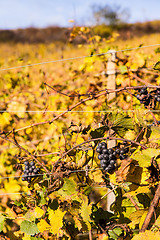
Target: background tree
<point>110,15</point>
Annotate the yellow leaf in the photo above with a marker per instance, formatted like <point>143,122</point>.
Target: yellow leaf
<point>43,225</point>
<point>38,212</point>
<point>147,235</point>
<point>5,119</point>
<point>56,220</point>
<point>143,189</point>
<point>142,219</point>
<point>28,130</point>
<point>86,212</point>
<point>12,186</point>
<point>26,237</point>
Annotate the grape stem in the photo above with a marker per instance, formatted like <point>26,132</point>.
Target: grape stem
<point>96,139</point>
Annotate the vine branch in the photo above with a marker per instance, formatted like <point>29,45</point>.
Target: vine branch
<point>151,211</point>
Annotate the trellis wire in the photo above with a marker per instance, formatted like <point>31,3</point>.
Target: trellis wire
<point>39,111</point>
<point>61,60</point>
<point>42,174</point>
<point>74,58</point>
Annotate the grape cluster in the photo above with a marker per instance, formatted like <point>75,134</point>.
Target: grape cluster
<point>147,98</point>
<point>30,171</point>
<point>157,95</point>
<point>109,156</point>
<point>143,96</point>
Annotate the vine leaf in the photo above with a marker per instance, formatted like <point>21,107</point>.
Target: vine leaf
<point>2,219</point>
<point>135,217</point>
<point>43,225</point>
<point>147,235</point>
<point>68,189</point>
<point>29,227</point>
<point>99,132</point>
<point>56,220</point>
<point>38,212</point>
<point>113,234</point>
<point>144,157</point>
<point>143,189</point>
<point>86,211</point>
<point>155,134</point>
<point>121,123</point>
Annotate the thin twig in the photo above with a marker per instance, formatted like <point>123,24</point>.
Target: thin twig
<point>105,91</point>
<point>26,151</point>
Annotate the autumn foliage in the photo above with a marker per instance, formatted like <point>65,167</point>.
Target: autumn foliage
<point>55,115</point>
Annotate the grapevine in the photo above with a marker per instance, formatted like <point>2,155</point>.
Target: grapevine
<point>57,167</point>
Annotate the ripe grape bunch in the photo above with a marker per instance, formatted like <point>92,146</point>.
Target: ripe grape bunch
<point>108,157</point>
<point>30,171</point>
<point>146,97</point>
<point>143,96</point>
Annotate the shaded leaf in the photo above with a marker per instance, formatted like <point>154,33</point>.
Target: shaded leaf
<point>99,132</point>
<point>121,123</point>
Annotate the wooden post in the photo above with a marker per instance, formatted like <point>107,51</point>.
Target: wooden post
<point>111,84</point>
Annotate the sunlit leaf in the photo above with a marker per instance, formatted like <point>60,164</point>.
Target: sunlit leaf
<point>38,212</point>
<point>147,235</point>
<point>144,157</point>
<point>56,220</point>
<point>86,211</point>
<point>43,225</point>
<point>2,219</point>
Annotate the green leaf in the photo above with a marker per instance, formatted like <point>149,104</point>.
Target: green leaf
<point>2,219</point>
<point>157,66</point>
<point>115,233</point>
<point>99,132</point>
<point>155,134</point>
<point>68,189</point>
<point>43,197</point>
<point>86,211</point>
<point>123,69</point>
<point>29,227</point>
<point>144,157</point>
